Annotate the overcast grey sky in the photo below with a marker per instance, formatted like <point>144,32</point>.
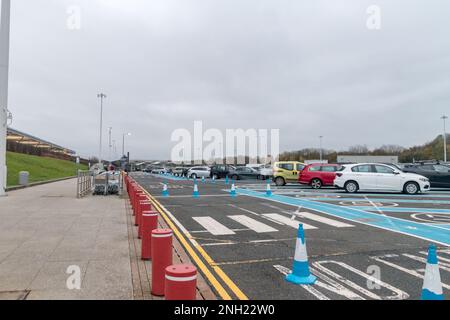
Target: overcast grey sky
<point>309,68</point>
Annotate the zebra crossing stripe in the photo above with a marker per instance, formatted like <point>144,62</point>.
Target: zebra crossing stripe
<point>213,226</point>
<point>331,222</point>
<point>287,221</point>
<point>253,224</point>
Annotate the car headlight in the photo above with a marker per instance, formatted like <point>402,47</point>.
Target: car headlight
<point>424,180</point>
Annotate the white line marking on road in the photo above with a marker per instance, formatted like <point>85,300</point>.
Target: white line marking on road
<point>323,220</point>
<point>398,294</point>
<point>408,271</point>
<point>375,206</point>
<point>287,221</point>
<point>285,271</point>
<point>206,231</point>
<point>253,224</point>
<point>213,226</point>
<point>442,265</point>
<point>255,214</point>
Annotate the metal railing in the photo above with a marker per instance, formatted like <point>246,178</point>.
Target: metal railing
<point>84,183</point>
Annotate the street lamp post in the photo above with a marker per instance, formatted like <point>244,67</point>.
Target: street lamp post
<point>444,118</point>
<point>123,142</point>
<point>4,70</point>
<point>321,150</point>
<point>110,143</point>
<point>101,96</point>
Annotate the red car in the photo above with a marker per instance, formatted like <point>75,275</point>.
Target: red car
<point>319,175</point>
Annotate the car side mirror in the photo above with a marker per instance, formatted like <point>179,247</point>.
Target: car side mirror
<point>396,172</point>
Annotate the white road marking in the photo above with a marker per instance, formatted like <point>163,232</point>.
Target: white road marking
<point>213,226</point>
<point>442,265</point>
<point>398,294</point>
<point>254,213</point>
<point>285,271</point>
<point>253,224</point>
<point>323,220</point>
<point>408,271</point>
<point>287,221</point>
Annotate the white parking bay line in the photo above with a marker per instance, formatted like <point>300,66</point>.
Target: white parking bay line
<point>323,220</point>
<point>287,221</point>
<point>213,226</point>
<point>253,224</point>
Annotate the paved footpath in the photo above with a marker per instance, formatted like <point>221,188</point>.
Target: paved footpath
<point>44,230</point>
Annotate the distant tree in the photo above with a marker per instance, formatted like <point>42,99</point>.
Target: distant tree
<point>358,149</point>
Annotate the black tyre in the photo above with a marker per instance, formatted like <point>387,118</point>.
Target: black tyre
<point>279,181</point>
<point>193,176</point>
<point>351,187</point>
<point>411,188</point>
<point>316,183</point>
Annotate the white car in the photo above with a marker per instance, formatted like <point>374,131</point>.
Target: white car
<point>379,177</point>
<point>199,172</point>
<point>266,172</point>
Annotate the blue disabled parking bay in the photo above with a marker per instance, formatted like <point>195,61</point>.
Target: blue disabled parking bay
<point>414,229</point>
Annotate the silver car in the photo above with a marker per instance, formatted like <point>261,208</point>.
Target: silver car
<point>199,172</point>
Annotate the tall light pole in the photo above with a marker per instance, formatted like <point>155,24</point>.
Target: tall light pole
<point>101,96</point>
<point>444,118</point>
<point>4,70</point>
<point>321,150</point>
<point>123,142</point>
<point>110,142</point>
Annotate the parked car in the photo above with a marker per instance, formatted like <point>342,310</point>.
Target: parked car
<point>178,171</point>
<point>379,177</point>
<point>159,171</point>
<point>286,171</point>
<point>220,171</point>
<point>319,175</point>
<point>438,174</point>
<point>266,172</point>
<point>199,172</point>
<point>244,173</point>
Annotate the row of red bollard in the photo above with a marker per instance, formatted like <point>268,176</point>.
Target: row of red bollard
<point>175,282</point>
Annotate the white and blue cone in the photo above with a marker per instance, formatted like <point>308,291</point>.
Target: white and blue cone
<point>227,180</point>
<point>432,285</point>
<point>203,179</point>
<point>165,192</point>
<point>233,190</point>
<point>195,194</point>
<point>268,190</point>
<point>300,272</point>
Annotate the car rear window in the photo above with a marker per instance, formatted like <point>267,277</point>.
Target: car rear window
<point>363,168</point>
<point>314,169</point>
<point>286,166</point>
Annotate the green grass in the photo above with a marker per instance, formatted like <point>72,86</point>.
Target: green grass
<point>40,168</point>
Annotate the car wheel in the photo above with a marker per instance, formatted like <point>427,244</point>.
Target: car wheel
<point>215,176</point>
<point>351,187</point>
<point>193,176</point>
<point>411,188</point>
<point>279,181</point>
<point>316,184</point>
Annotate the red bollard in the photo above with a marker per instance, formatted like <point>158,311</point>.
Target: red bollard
<point>144,205</point>
<point>181,282</point>
<point>161,258</point>
<point>137,213</point>
<point>149,223</point>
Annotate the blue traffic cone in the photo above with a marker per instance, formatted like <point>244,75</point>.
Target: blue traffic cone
<point>268,189</point>
<point>203,179</point>
<point>233,190</point>
<point>300,273</point>
<point>195,194</point>
<point>227,180</point>
<point>432,285</point>
<point>165,192</point>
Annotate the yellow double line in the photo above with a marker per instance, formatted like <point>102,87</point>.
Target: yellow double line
<point>187,246</point>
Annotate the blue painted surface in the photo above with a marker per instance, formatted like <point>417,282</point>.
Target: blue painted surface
<point>401,209</point>
<point>411,228</point>
<point>427,201</point>
<point>428,295</point>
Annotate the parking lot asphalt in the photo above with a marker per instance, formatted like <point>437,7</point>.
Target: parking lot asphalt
<point>248,241</point>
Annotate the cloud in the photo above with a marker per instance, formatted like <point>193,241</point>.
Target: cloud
<point>309,68</point>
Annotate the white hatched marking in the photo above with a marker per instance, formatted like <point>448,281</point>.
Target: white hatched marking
<point>253,224</point>
<point>323,220</point>
<point>287,221</point>
<point>213,226</point>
